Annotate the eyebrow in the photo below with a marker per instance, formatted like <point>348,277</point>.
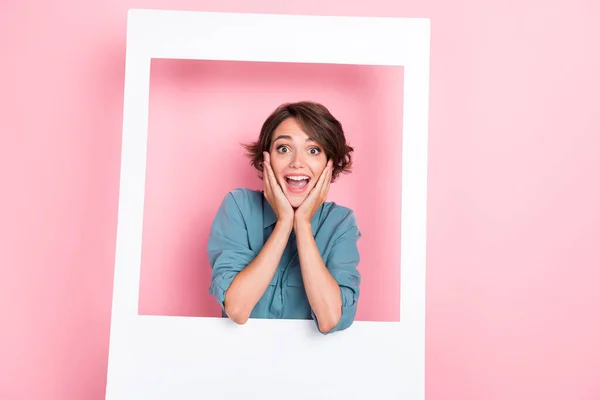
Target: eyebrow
<point>289,138</point>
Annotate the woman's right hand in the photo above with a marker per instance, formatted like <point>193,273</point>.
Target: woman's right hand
<point>275,196</point>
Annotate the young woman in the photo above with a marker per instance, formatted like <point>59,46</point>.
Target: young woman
<point>285,252</point>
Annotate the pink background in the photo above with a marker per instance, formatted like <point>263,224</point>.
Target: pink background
<point>200,112</point>
<point>513,217</point>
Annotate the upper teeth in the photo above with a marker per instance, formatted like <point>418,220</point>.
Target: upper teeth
<point>297,178</point>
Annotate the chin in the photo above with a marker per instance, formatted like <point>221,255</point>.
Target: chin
<point>295,200</point>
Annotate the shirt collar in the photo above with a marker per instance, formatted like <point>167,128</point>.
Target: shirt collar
<point>269,217</point>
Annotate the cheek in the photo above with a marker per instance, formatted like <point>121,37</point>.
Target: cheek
<point>276,163</point>
<point>317,166</point>
<point>278,166</point>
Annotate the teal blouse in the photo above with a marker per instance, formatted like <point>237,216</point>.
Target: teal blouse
<point>241,226</point>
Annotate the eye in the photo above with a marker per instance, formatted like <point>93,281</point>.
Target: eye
<point>314,151</point>
<point>283,149</point>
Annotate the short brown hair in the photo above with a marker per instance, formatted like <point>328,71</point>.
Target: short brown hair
<point>318,123</point>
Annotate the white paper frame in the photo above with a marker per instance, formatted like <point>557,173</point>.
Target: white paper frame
<point>166,357</point>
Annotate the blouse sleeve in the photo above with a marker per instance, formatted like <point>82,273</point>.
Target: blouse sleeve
<point>342,264</point>
<point>228,248</point>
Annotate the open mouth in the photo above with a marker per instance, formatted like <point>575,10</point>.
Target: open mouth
<point>297,183</point>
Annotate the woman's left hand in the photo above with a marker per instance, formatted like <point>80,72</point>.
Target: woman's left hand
<point>316,197</point>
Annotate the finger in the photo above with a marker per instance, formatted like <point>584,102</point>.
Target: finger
<point>267,180</point>
<point>329,170</point>
<point>323,176</point>
<point>327,179</point>
<point>270,175</point>
<point>274,184</point>
<point>267,164</point>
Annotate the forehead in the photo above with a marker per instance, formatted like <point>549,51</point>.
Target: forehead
<point>290,128</point>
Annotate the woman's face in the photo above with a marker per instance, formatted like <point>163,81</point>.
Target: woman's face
<point>297,161</point>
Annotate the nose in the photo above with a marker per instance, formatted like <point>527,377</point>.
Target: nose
<point>297,160</point>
